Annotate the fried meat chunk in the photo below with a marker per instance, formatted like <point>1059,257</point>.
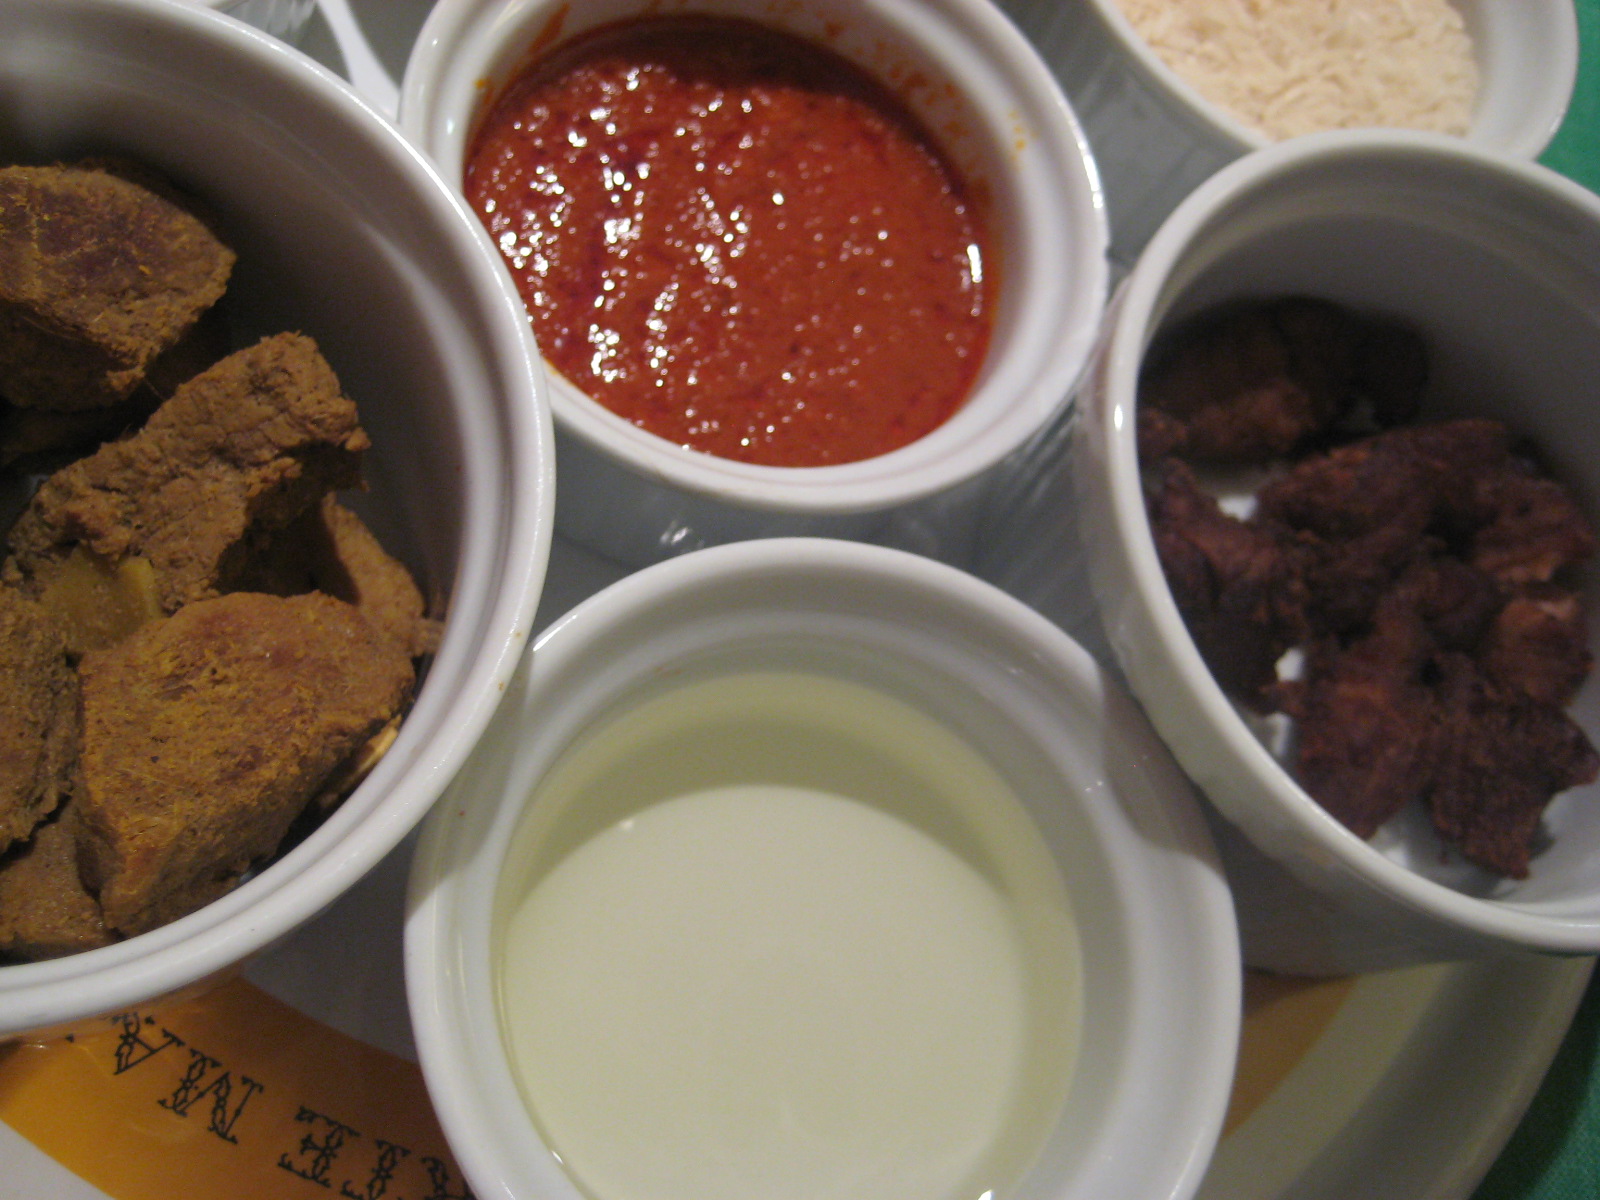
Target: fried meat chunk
<point>38,717</point>
<point>100,273</point>
<point>1364,734</point>
<point>1503,756</point>
<point>1538,644</point>
<point>45,910</point>
<point>1259,380</point>
<point>1526,527</point>
<point>1239,586</point>
<point>207,733</point>
<point>245,446</point>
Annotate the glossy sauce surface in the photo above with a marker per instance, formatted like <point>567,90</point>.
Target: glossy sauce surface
<point>736,240</point>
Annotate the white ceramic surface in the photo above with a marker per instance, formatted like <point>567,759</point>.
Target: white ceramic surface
<point>1497,263</point>
<point>344,232</point>
<point>1154,920</point>
<point>639,498</point>
<point>1155,138</point>
<point>281,18</point>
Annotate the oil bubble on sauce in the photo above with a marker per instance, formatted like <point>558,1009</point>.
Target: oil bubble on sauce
<point>779,934</point>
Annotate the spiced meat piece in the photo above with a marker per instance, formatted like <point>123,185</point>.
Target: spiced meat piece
<point>1410,477</point>
<point>38,717</point>
<point>1524,527</point>
<point>39,440</point>
<point>245,446</point>
<point>1367,510</point>
<point>45,911</point>
<point>1503,757</point>
<point>1366,739</point>
<point>1238,585</point>
<point>99,274</point>
<point>206,734</point>
<point>1538,644</point>
<point>1259,380</point>
<point>330,549</point>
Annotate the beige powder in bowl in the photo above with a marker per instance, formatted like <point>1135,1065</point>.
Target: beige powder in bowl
<point>1288,67</point>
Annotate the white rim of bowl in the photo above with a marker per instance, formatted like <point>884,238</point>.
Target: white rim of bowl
<point>1046,139</point>
<point>227,931</point>
<point>1533,134</point>
<point>468,1079</point>
<point>1128,340</point>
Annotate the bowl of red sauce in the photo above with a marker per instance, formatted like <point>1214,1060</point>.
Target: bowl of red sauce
<point>818,267</point>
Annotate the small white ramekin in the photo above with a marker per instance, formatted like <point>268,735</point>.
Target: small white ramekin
<point>1155,138</point>
<point>1160,971</point>
<point>1496,262</point>
<point>346,233</point>
<point>637,497</point>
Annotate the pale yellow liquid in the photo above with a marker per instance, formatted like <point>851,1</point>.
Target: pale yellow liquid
<point>822,953</point>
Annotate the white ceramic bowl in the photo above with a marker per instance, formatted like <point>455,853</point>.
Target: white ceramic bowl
<point>1155,137</point>
<point>1160,977</point>
<point>344,232</point>
<point>638,497</point>
<point>1497,263</point>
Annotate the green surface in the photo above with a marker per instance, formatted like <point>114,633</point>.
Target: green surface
<point>1573,151</point>
<point>1555,1152</point>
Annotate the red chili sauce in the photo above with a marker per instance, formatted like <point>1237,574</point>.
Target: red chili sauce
<point>736,240</point>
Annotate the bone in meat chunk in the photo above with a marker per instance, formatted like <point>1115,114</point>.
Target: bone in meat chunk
<point>206,734</point>
<point>244,447</point>
<point>99,274</point>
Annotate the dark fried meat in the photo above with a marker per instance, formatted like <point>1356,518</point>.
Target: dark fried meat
<point>99,274</point>
<point>1260,380</point>
<point>1503,755</point>
<point>1420,569</point>
<point>1365,726</point>
<point>38,717</point>
<point>1365,511</point>
<point>1525,527</point>
<point>1538,645</point>
<point>1237,584</point>
<point>45,911</point>
<point>207,733</point>
<point>247,445</point>
<point>1408,477</point>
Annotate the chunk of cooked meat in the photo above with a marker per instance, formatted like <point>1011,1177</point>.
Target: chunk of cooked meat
<point>1525,527</point>
<point>1258,380</point>
<point>1538,644</point>
<point>206,734</point>
<point>247,445</point>
<point>38,717</point>
<point>100,273</point>
<point>39,440</point>
<point>1413,477</point>
<point>330,549</point>
<point>1366,721</point>
<point>1239,586</point>
<point>1503,757</point>
<point>1367,509</point>
<point>45,911</point>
